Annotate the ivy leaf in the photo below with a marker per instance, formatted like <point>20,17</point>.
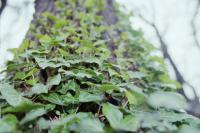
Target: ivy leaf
<point>169,100</point>
<point>134,94</point>
<point>134,98</point>
<point>91,125</point>
<point>60,99</point>
<point>22,75</point>
<point>130,123</point>
<point>44,63</point>
<point>113,115</point>
<point>32,81</point>
<point>153,119</point>
<point>55,80</point>
<point>137,75</point>
<point>88,97</point>
<point>77,73</point>
<point>54,98</point>
<point>43,123</point>
<point>18,103</point>
<point>92,60</point>
<point>19,75</point>
<point>30,73</point>
<point>45,40</point>
<point>11,95</point>
<point>33,115</point>
<point>118,121</point>
<point>39,89</point>
<point>112,72</point>
<point>63,123</point>
<point>71,85</point>
<point>188,129</point>
<point>89,3</point>
<point>8,124</point>
<point>109,88</point>
<point>24,106</point>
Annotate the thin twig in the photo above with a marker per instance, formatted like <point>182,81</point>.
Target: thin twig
<point>193,26</point>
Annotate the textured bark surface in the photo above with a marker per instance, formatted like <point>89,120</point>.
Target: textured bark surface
<point>109,13</point>
<point>110,19</point>
<point>44,5</point>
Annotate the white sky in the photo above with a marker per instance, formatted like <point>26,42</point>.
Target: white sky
<point>14,23</point>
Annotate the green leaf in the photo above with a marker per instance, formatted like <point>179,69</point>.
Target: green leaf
<point>25,44</point>
<point>113,115</point>
<point>130,123</point>
<point>134,97</point>
<point>25,106</point>
<point>30,73</point>
<point>19,75</point>
<point>90,125</point>
<point>71,85</point>
<point>137,75</point>
<point>116,120</point>
<point>43,124</point>
<point>61,23</point>
<point>33,115</point>
<point>88,97</point>
<point>112,72</point>
<point>63,123</point>
<point>92,60</point>
<point>44,63</point>
<point>89,3</point>
<point>38,89</point>
<point>18,103</point>
<point>8,124</point>
<point>53,63</point>
<point>22,75</point>
<point>55,80</point>
<point>188,129</point>
<point>168,118</point>
<point>169,100</point>
<point>54,98</point>
<point>134,94</point>
<point>11,95</point>
<point>45,40</point>
<point>32,81</point>
<point>109,88</point>
<point>69,99</point>
<point>60,99</point>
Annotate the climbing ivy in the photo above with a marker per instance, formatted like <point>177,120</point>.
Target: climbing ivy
<point>65,78</point>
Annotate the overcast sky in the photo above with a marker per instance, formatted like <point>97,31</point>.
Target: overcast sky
<point>14,23</point>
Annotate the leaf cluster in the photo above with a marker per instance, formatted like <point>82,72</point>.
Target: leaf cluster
<point>65,79</point>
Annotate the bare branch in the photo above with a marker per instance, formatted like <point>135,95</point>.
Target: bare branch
<point>193,26</point>
<point>2,5</point>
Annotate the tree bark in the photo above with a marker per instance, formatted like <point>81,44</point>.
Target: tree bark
<point>110,19</point>
<point>43,6</point>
